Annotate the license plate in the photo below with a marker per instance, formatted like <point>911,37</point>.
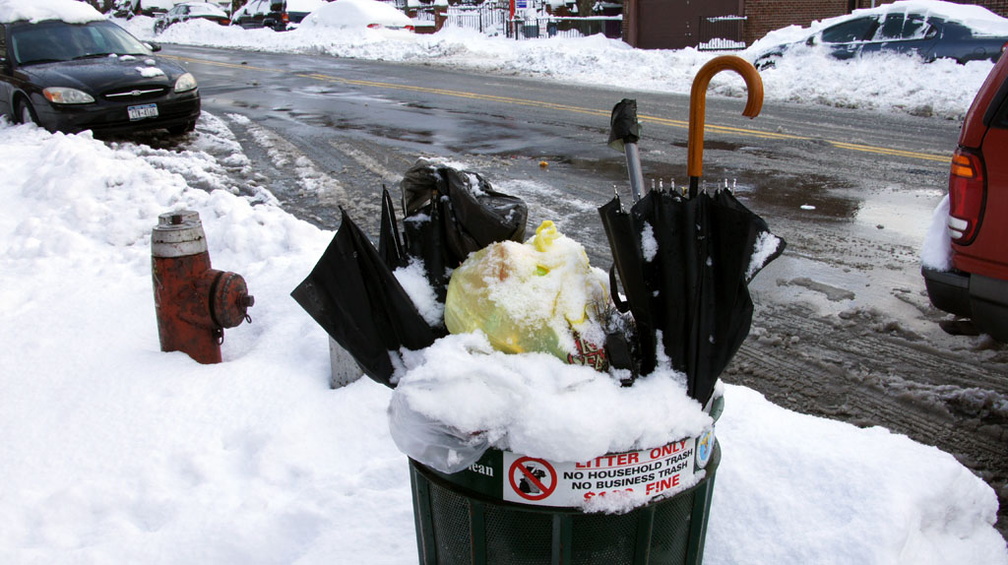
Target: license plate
<point>142,112</point>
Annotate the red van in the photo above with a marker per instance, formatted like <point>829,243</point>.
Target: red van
<point>977,285</point>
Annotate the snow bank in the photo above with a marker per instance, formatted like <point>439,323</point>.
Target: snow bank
<point>936,251</point>
<point>38,10</point>
<point>355,14</point>
<point>118,453</point>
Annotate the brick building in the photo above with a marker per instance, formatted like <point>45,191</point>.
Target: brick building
<point>674,24</point>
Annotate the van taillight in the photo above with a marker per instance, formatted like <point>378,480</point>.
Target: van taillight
<point>285,17</point>
<point>967,193</point>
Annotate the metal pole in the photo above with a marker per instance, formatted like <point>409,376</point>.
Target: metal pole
<point>634,170</point>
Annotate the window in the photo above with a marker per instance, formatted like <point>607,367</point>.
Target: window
<point>916,27</point>
<point>853,30</point>
<point>892,28</point>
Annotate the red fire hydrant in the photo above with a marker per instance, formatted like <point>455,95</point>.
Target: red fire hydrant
<point>194,303</point>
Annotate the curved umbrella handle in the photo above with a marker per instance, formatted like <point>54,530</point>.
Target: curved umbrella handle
<point>698,106</point>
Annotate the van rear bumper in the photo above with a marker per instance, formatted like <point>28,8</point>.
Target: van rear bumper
<point>982,299</point>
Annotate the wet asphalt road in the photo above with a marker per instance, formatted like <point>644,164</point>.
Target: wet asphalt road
<point>842,327</point>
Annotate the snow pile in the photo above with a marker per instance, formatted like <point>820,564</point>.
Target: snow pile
<point>936,251</point>
<point>67,10</point>
<point>116,452</point>
<point>355,14</point>
<point>535,404</point>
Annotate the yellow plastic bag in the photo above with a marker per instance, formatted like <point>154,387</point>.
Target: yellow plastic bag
<point>541,295</point>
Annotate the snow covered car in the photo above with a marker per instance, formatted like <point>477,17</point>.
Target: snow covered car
<point>359,14</point>
<point>975,283</point>
<point>262,13</point>
<point>191,11</point>
<point>928,29</point>
<point>89,74</point>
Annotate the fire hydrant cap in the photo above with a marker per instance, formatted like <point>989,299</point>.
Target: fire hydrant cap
<point>230,300</point>
<point>178,234</point>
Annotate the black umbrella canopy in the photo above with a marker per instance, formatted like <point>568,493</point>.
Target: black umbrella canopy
<point>450,213</point>
<point>685,265</point>
<point>355,297</point>
<point>390,245</point>
<point>353,293</point>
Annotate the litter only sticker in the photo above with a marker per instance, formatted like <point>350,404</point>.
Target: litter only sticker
<point>653,472</point>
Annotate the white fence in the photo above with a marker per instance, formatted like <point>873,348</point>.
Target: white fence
<point>494,19</point>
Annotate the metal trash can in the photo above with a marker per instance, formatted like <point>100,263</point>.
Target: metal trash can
<point>502,511</point>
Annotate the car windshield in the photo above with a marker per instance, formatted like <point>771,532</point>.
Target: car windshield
<point>50,41</point>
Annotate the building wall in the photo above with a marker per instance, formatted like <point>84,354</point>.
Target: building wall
<point>671,24</point>
<point>767,15</point>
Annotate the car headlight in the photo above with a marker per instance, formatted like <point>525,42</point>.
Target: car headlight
<point>65,95</point>
<point>185,83</point>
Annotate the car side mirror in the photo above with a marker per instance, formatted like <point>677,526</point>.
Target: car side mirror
<point>810,41</point>
<point>155,47</point>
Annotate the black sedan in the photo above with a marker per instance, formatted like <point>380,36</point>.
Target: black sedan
<point>95,75</point>
<point>936,30</point>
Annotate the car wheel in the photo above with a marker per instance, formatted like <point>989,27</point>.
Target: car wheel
<point>182,129</point>
<point>25,113</point>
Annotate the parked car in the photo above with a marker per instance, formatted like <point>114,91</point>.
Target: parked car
<point>75,76</point>
<point>976,286</point>
<point>927,28</point>
<point>262,13</point>
<point>130,8</point>
<point>359,14</point>
<point>190,11</point>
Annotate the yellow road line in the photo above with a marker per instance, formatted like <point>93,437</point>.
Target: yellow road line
<point>730,130</point>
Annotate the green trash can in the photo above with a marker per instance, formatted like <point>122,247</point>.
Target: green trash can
<point>508,509</point>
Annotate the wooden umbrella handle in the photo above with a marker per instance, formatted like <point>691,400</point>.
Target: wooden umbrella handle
<point>698,103</point>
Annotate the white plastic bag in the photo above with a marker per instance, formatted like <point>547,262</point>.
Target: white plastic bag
<point>430,442</point>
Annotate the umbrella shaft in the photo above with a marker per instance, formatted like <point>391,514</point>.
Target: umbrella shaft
<point>634,170</point>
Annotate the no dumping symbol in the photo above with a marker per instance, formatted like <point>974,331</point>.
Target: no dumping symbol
<point>532,479</point>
